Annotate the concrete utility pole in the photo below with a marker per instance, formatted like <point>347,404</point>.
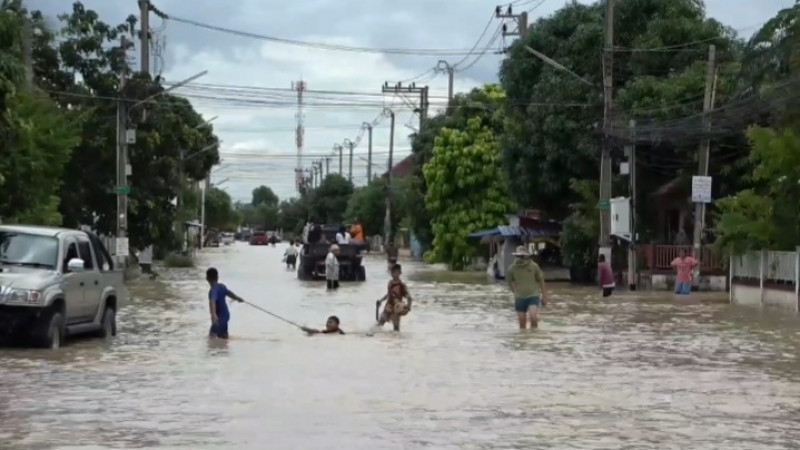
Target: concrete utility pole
<point>350,145</point>
<point>144,35</point>
<point>445,67</point>
<point>520,19</point>
<point>630,152</point>
<point>123,188</point>
<point>368,126</point>
<point>411,89</point>
<point>299,86</point>
<point>704,156</point>
<point>605,159</point>
<point>339,148</point>
<point>387,218</point>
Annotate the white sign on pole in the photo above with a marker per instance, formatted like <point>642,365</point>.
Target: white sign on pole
<point>701,189</point>
<point>122,246</point>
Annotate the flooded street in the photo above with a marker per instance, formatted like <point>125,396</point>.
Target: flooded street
<point>622,373</point>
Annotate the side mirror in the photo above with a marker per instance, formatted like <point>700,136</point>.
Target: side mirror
<point>76,265</point>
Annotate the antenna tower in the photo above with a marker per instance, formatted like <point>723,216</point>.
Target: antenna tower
<point>300,87</point>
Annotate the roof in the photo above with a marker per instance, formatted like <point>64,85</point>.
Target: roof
<point>543,230</point>
<point>404,168</point>
<point>37,230</point>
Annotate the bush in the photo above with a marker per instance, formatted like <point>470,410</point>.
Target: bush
<point>178,260</point>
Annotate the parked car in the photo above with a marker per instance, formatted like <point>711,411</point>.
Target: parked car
<point>56,282</point>
<point>227,239</point>
<point>259,238</point>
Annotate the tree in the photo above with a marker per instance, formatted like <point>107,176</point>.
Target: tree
<point>38,137</point>
<point>580,230</point>
<point>219,210</point>
<point>485,102</point>
<point>466,190</point>
<point>293,215</point>
<point>328,202</point>
<point>766,215</point>
<point>264,195</point>
<point>169,136</point>
<point>551,136</point>
<point>368,205</point>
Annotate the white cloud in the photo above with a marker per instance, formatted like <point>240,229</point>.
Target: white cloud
<point>259,141</point>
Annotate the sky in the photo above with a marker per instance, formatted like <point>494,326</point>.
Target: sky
<point>248,85</point>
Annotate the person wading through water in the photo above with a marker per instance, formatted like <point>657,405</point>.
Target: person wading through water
<point>683,265</point>
<point>526,280</point>
<point>332,268</point>
<point>605,276</point>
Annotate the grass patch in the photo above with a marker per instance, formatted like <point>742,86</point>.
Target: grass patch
<point>178,260</point>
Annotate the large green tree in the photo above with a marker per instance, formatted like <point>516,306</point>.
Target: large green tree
<point>38,138</point>
<point>328,202</point>
<point>466,190</point>
<point>167,154</point>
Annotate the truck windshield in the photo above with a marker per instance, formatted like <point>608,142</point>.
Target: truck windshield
<point>28,250</point>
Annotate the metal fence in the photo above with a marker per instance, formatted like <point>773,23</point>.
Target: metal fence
<point>767,267</point>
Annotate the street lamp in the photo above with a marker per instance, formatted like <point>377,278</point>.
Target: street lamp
<point>339,148</point>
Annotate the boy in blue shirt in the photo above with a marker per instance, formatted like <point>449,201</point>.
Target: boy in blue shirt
<point>217,294</point>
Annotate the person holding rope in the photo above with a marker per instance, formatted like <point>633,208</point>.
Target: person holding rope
<point>217,296</point>
<point>331,327</point>
<point>395,308</point>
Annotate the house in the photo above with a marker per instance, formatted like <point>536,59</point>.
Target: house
<point>403,169</point>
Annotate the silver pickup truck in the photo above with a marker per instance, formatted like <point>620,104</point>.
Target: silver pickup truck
<point>56,282</point>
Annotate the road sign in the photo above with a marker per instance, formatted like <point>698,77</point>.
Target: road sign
<point>122,246</point>
<point>122,190</point>
<point>603,204</point>
<point>701,189</point>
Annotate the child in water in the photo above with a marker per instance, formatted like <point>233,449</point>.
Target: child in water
<point>395,306</point>
<point>331,327</point>
<point>218,293</point>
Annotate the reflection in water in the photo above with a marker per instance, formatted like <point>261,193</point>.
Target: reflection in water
<point>634,371</point>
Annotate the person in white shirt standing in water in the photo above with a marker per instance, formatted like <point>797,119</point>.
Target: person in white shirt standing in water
<point>342,237</point>
<point>332,268</point>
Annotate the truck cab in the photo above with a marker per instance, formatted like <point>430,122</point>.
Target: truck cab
<point>56,282</point>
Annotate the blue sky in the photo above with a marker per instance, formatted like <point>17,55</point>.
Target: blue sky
<point>258,134</point>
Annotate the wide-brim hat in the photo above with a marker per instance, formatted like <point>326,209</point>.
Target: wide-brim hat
<point>521,251</point>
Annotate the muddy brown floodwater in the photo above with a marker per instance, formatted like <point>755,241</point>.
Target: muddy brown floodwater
<point>629,372</point>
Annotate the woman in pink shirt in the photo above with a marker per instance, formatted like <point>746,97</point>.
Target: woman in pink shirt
<point>683,264</point>
<point>605,276</point>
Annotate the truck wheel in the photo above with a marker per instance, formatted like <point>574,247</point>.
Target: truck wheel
<point>108,325</point>
<point>50,331</point>
<point>361,273</point>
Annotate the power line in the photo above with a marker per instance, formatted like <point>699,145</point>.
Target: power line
<point>319,45</point>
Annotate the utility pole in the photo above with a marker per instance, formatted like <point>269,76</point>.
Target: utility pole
<point>337,147</point>
<point>144,35</point>
<point>630,151</point>
<point>445,67</point>
<point>520,19</point>
<point>605,160</point>
<point>704,155</point>
<point>203,193</point>
<point>122,188</point>
<point>369,151</point>
<point>350,145</point>
<point>387,218</point>
<point>327,166</point>
<point>411,89</point>
<point>299,86</point>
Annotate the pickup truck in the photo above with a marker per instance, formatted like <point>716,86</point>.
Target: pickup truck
<point>56,282</point>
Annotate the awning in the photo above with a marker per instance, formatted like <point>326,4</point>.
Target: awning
<point>547,230</point>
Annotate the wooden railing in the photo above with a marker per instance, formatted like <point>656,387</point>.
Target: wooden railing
<point>658,257</point>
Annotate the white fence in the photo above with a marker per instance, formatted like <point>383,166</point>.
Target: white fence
<point>766,277</point>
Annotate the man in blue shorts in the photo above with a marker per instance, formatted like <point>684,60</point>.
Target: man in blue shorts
<point>526,280</point>
<point>218,307</point>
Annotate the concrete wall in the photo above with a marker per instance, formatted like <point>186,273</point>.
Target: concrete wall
<point>756,296</point>
<point>666,282</point>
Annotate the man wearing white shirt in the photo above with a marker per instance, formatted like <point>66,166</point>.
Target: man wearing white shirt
<point>332,268</point>
<point>342,237</point>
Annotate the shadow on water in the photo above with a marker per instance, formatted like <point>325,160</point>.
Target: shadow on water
<point>637,370</point>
